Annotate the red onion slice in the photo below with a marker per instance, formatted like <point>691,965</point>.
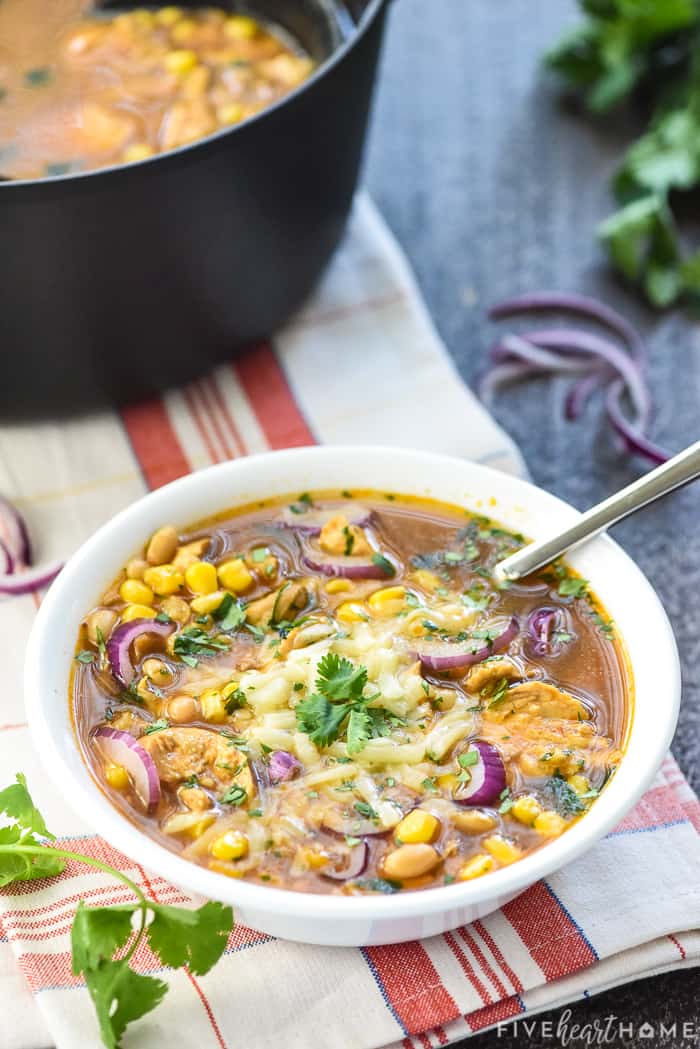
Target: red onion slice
<point>635,441</point>
<point>7,565</point>
<point>438,656</point>
<point>487,776</point>
<point>14,534</point>
<point>357,864</point>
<point>542,625</point>
<point>30,580</point>
<point>122,749</point>
<point>282,766</point>
<point>311,521</point>
<point>569,302</point>
<point>121,640</point>
<point>346,567</point>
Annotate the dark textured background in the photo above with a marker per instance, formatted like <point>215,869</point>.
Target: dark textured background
<point>493,186</point>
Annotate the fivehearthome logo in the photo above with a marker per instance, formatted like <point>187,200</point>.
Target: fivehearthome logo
<point>610,1030</point>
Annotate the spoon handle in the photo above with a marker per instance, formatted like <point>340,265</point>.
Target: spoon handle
<point>679,470</point>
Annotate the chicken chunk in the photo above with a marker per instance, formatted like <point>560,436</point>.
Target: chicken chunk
<point>183,753</point>
<point>492,672</point>
<point>538,699</point>
<point>340,537</point>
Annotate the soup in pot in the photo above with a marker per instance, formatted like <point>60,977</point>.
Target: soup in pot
<point>331,694</point>
<point>80,90</point>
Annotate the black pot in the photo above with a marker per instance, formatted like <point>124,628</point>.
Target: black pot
<point>116,284</point>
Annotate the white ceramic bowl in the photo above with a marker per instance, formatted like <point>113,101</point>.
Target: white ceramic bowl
<point>337,920</point>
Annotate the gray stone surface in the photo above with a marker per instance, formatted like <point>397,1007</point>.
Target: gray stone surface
<point>494,186</point>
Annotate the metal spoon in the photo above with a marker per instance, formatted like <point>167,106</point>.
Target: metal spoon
<point>678,471</point>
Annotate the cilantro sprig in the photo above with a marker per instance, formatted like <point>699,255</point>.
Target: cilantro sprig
<point>655,45</point>
<point>104,940</point>
<point>340,702</point>
<point>193,643</point>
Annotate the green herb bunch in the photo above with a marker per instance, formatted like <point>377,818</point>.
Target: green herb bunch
<point>651,47</point>
<point>104,940</point>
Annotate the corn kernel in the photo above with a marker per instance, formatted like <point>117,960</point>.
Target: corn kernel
<point>183,30</point>
<point>448,781</point>
<point>213,706</point>
<point>225,868</point>
<point>338,586</point>
<point>475,867</point>
<point>229,688</point>
<point>180,61</point>
<point>579,783</point>
<point>231,113</point>
<point>501,849</point>
<point>168,16</point>
<point>549,824</point>
<point>163,580</point>
<point>201,577</point>
<point>205,604</point>
<point>137,612</point>
<point>315,861</point>
<point>117,776</point>
<point>235,575</point>
<point>196,830</point>
<point>525,809</point>
<point>134,592</point>
<point>137,151</point>
<point>388,602</point>
<point>427,580</point>
<point>473,821</point>
<point>230,846</point>
<point>351,612</point>
<point>417,826</point>
<point>239,27</point>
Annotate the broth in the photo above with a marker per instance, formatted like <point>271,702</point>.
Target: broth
<point>339,699</point>
<point>79,91</point>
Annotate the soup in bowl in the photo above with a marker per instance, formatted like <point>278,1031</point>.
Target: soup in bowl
<point>291,682</point>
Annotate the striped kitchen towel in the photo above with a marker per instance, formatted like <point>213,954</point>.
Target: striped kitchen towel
<point>629,908</point>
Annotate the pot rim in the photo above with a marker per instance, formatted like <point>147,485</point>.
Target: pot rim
<point>113,170</point>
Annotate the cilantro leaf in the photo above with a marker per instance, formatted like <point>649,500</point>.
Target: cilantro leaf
<point>230,614</point>
<point>194,642</point>
<point>563,796</point>
<point>320,719</point>
<point>573,586</point>
<point>120,996</point>
<point>359,730</point>
<point>16,802</point>
<point>384,563</point>
<point>196,938</point>
<point>97,933</point>
<point>338,678</point>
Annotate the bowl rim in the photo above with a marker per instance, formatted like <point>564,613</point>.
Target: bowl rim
<point>336,56</point>
<point>96,810</point>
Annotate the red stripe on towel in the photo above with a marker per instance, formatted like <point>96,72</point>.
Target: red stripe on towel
<point>413,987</point>
<point>266,387</point>
<point>554,942</point>
<point>155,444</point>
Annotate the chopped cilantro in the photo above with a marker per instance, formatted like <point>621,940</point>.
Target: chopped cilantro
<point>85,656</point>
<point>506,801</point>
<point>349,540</point>
<point>365,810</point>
<point>37,77</point>
<point>351,841</point>
<point>259,554</point>
<point>573,586</point>
<point>430,784</point>
<point>298,686</point>
<point>235,795</point>
<point>379,884</point>
<point>157,726</point>
<point>194,642</point>
<point>467,759</point>
<point>563,796</point>
<point>230,614</point>
<point>384,563</point>
<point>235,701</point>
